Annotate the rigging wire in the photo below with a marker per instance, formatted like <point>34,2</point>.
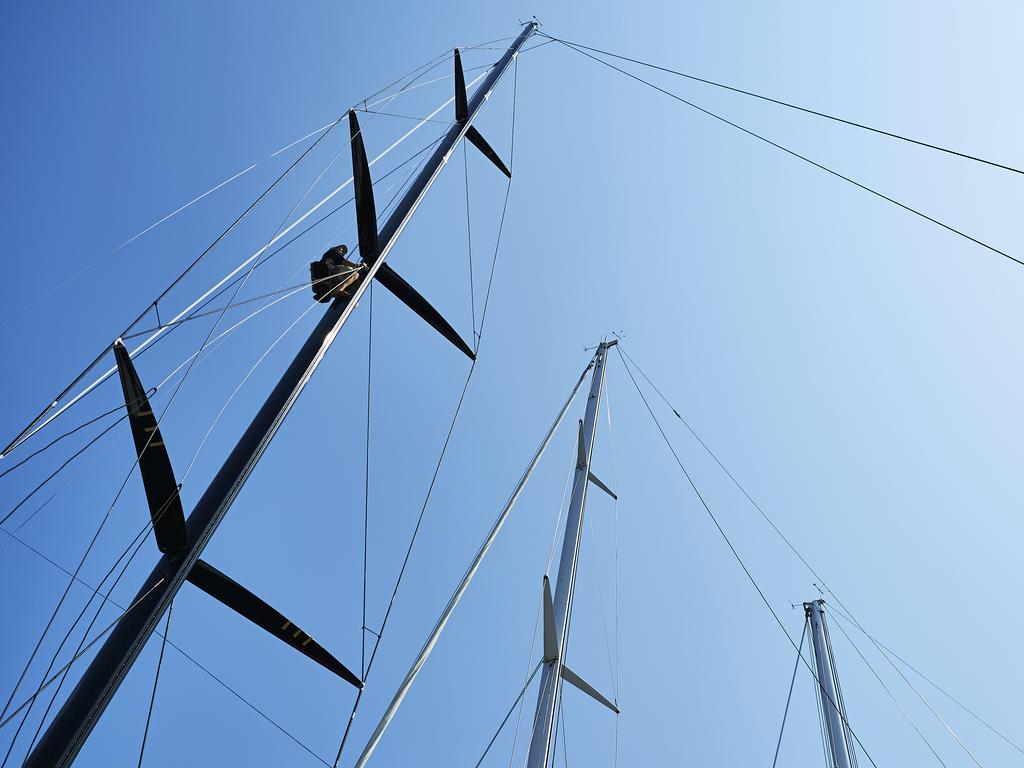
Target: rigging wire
<point>403,117</point>
<point>176,389</point>
<point>469,244</point>
<point>735,552</point>
<point>790,105</point>
<point>174,393</point>
<point>892,696</point>
<point>290,292</point>
<point>931,709</point>
<point>181,651</point>
<point>156,682</point>
<point>192,315</point>
<point>54,614</point>
<point>426,67</point>
<point>845,612</point>
<point>615,519</point>
<point>60,437</point>
<point>38,487</point>
<point>804,158</point>
<point>885,650</point>
<point>178,210</point>
<point>14,713</point>
<point>31,515</point>
<point>28,431</point>
<point>437,470</point>
<point>325,131</point>
<point>42,419</point>
<point>789,696</point>
<point>408,554</point>
<point>366,481</point>
<point>137,543</point>
<point>508,189</point>
<point>604,612</point>
<point>508,714</point>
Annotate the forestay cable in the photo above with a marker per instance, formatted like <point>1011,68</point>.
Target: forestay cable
<point>736,554</point>
<point>790,105</point>
<point>806,159</point>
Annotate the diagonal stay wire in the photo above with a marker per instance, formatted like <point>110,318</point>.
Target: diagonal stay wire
<point>931,709</point>
<point>891,695</point>
<point>721,466</point>
<point>604,611</point>
<point>885,650</point>
<point>182,652</point>
<point>408,555</point>
<point>38,487</point>
<point>14,713</point>
<point>178,210</point>
<point>736,554</point>
<point>366,480</point>
<point>790,105</point>
<point>615,598</point>
<point>437,470</point>
<point>60,437</point>
<point>469,243</point>
<point>508,714</point>
<point>504,205</point>
<point>789,696</point>
<point>156,683</point>
<point>806,159</point>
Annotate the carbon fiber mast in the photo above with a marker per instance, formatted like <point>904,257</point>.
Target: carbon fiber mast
<point>182,541</point>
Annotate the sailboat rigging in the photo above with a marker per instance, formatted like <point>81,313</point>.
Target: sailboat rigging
<point>339,279</point>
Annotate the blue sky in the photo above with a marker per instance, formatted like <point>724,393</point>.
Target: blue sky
<point>854,366</point>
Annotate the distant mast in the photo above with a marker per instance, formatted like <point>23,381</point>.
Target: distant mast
<point>558,611</point>
<point>839,743</point>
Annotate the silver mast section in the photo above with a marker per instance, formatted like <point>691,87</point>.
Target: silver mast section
<point>828,688</point>
<point>460,590</point>
<point>558,613</point>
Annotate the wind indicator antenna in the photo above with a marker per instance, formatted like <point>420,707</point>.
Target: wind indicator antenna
<point>339,284</point>
<point>840,741</point>
<point>558,609</point>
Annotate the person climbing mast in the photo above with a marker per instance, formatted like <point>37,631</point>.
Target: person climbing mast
<point>333,274</point>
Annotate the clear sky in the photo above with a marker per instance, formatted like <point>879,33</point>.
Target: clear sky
<point>855,367</point>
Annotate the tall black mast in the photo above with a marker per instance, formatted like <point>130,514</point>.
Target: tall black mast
<point>72,725</point>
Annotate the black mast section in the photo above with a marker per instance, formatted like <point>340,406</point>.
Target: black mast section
<point>72,725</point>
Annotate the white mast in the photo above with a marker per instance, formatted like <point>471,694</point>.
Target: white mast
<point>558,612</point>
<point>828,687</point>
